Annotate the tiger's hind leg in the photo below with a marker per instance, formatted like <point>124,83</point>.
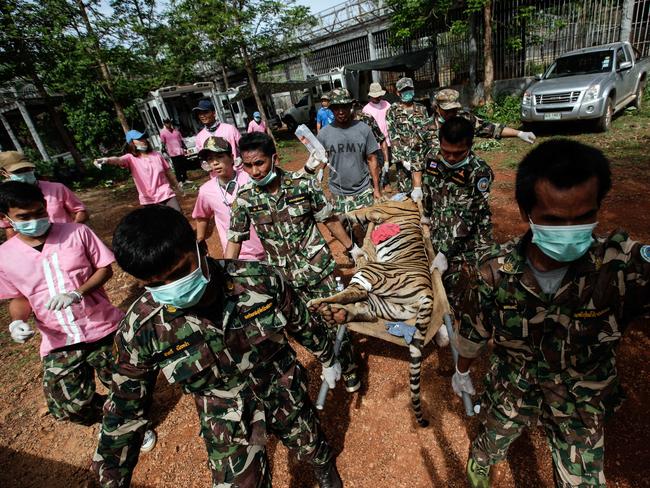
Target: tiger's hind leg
<point>352,293</point>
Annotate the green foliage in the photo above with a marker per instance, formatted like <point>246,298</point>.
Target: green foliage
<point>505,110</point>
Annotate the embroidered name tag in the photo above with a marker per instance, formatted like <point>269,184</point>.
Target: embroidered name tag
<point>259,311</point>
<point>591,314</point>
<point>177,348</point>
<point>260,207</point>
<point>295,199</point>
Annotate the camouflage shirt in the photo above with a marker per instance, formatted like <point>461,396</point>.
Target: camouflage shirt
<point>286,225</point>
<point>568,337</point>
<point>231,350</point>
<point>456,201</point>
<point>410,134</point>
<point>370,121</point>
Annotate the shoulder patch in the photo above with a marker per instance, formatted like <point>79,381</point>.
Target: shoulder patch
<point>645,253</point>
<point>483,184</point>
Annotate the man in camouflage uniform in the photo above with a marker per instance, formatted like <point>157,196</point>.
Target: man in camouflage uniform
<point>219,329</point>
<point>408,129</point>
<point>555,302</point>
<point>456,186</point>
<point>284,207</point>
<point>351,149</point>
<point>448,106</point>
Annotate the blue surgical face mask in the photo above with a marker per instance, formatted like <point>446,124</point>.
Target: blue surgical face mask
<point>185,292</point>
<point>141,148</point>
<point>257,119</point>
<point>31,228</point>
<point>457,165</point>
<point>27,177</point>
<point>407,96</point>
<point>563,243</point>
<point>270,176</point>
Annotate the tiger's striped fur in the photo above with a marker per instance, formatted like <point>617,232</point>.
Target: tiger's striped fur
<point>394,283</point>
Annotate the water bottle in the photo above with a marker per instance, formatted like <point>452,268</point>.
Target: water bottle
<point>339,284</point>
<point>310,141</point>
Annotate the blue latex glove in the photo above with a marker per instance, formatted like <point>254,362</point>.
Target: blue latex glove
<point>401,329</point>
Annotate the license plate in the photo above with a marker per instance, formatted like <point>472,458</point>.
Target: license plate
<point>552,116</point>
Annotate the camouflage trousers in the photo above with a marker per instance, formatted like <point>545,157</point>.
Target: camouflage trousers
<point>327,288</point>
<point>573,422</point>
<point>344,204</point>
<point>69,380</point>
<point>235,430</point>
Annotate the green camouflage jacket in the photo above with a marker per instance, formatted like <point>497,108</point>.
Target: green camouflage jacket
<point>231,351</point>
<point>410,134</point>
<point>456,201</point>
<point>286,225</point>
<point>370,121</point>
<point>566,338</point>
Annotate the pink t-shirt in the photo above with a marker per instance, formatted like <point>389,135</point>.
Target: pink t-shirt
<point>215,201</point>
<point>225,131</point>
<point>61,202</point>
<point>255,127</point>
<point>148,172</point>
<point>71,254</point>
<point>173,141</point>
<point>379,114</point>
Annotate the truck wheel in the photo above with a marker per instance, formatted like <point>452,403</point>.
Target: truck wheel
<point>605,121</point>
<point>291,124</point>
<point>638,99</point>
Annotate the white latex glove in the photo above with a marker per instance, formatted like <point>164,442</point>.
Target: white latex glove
<point>63,300</point>
<point>416,194</point>
<point>98,163</point>
<point>332,374</point>
<point>425,220</point>
<point>462,382</point>
<point>407,165</point>
<point>528,137</point>
<point>439,263</point>
<point>357,253</point>
<point>386,166</point>
<point>20,331</point>
<point>312,163</point>
<point>442,336</point>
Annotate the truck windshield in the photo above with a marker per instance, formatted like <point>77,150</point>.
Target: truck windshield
<point>582,64</point>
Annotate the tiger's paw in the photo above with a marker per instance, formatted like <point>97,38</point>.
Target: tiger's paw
<point>333,315</point>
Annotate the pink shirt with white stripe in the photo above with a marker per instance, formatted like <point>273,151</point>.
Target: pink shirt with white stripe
<point>225,131</point>
<point>379,112</point>
<point>70,255</point>
<point>173,141</point>
<point>148,171</point>
<point>253,126</point>
<point>214,200</point>
<point>61,202</point>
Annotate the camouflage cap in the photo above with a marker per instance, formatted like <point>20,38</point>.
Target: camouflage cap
<point>214,145</point>
<point>448,99</point>
<point>11,161</point>
<point>403,84</point>
<point>340,96</point>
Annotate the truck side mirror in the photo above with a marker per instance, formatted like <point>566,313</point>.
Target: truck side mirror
<point>625,65</point>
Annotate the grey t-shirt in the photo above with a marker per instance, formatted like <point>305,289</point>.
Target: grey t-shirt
<point>549,281</point>
<point>347,150</point>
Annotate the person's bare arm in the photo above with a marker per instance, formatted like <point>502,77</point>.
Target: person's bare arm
<point>338,231</point>
<point>81,216</point>
<point>373,167</point>
<point>232,250</point>
<point>417,179</point>
<point>96,280</point>
<point>384,151</point>
<point>202,229</point>
<point>173,182</point>
<point>19,309</point>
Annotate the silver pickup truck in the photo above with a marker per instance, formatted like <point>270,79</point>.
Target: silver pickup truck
<point>588,84</point>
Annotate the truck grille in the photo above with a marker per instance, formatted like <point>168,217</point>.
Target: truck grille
<point>565,97</point>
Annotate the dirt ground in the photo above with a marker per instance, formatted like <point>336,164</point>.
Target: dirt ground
<point>373,431</point>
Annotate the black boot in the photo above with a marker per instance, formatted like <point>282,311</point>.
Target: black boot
<point>327,475</point>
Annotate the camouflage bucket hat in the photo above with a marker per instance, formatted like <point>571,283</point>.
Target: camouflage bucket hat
<point>447,99</point>
<point>340,96</point>
<point>214,145</point>
<point>403,84</point>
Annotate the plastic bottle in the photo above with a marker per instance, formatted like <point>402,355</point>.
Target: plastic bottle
<point>339,285</point>
<point>312,144</point>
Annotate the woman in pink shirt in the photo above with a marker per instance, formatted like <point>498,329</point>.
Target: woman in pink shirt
<point>217,195</point>
<point>152,174</point>
<point>256,125</point>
